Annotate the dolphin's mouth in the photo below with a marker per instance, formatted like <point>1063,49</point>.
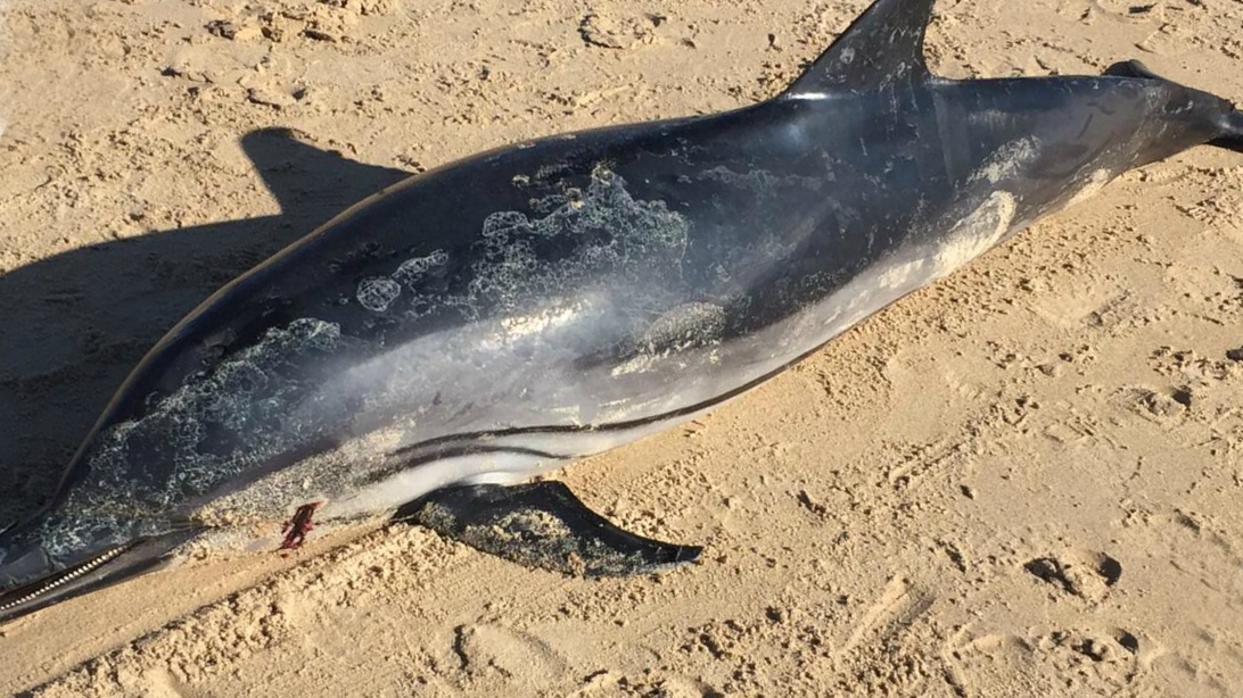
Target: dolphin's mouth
<point>110,565</point>
<point>13,601</point>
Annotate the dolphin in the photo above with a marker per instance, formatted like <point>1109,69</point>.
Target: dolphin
<point>431,349</point>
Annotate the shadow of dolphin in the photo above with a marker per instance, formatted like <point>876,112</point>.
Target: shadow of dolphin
<point>73,325</point>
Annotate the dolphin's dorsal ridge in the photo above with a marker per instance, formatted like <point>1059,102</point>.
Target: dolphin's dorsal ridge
<point>883,47</point>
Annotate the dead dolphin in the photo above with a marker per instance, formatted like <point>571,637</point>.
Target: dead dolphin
<point>509,313</point>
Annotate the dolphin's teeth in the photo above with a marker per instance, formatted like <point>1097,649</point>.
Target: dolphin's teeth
<point>64,578</point>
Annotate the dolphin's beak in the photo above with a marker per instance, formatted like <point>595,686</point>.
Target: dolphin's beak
<point>97,570</point>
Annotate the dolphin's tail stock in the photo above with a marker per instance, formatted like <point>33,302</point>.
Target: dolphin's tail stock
<point>1229,122</point>
<point>1232,132</point>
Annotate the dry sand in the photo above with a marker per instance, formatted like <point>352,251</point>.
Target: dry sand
<point>1023,481</point>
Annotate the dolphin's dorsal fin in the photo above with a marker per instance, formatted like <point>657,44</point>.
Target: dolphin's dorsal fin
<point>884,46</point>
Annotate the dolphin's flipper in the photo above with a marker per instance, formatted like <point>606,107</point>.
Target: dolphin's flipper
<point>543,525</point>
<point>884,46</point>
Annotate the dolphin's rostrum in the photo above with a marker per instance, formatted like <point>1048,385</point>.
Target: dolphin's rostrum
<point>503,315</point>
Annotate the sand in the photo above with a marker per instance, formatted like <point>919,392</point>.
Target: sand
<point>1022,481</point>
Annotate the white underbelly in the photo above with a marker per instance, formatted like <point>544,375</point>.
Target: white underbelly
<point>531,454</point>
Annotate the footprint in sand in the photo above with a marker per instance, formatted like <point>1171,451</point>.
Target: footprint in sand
<point>1167,405</point>
<point>1058,663</point>
<point>486,649</point>
<point>1085,574</point>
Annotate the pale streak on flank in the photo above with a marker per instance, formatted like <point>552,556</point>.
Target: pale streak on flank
<point>809,96</point>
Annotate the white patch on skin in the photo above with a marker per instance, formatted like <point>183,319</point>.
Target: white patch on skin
<point>1008,160</point>
<point>639,364</point>
<point>860,308</point>
<point>572,413</point>
<point>808,96</point>
<point>515,329</point>
<point>968,239</point>
<point>413,483</point>
<point>975,234</point>
<point>519,327</point>
<point>413,269</point>
<point>377,293</point>
<point>501,468</point>
<point>625,410</point>
<point>502,479</point>
<point>898,276</point>
<point>1098,181</point>
<point>688,326</point>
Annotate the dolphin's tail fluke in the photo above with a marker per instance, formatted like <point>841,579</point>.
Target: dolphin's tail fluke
<point>1232,132</point>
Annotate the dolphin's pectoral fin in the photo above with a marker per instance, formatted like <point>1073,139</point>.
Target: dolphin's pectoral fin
<point>543,525</point>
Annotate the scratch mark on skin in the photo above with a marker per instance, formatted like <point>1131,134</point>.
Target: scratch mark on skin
<point>1098,181</point>
<point>760,180</point>
<point>1008,160</point>
<point>969,238</point>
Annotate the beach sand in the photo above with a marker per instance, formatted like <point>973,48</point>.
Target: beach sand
<point>1025,480</point>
